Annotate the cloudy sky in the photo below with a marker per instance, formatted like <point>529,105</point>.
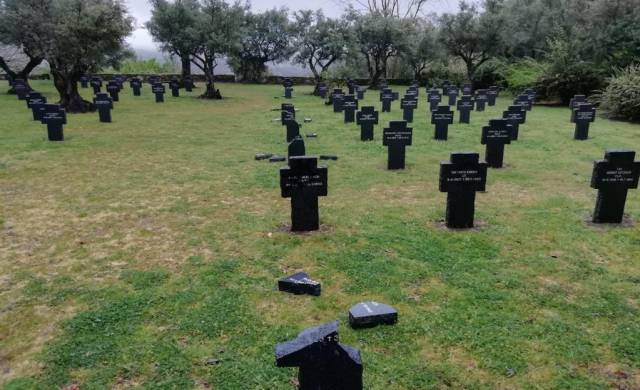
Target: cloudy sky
<point>141,40</point>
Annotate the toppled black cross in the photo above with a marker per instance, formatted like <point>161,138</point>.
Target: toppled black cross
<point>113,87</point>
<point>136,85</point>
<point>35,101</point>
<point>324,363</point>
<point>367,118</point>
<point>582,116</point>
<point>159,90</point>
<point>481,99</point>
<point>54,117</point>
<point>442,117</point>
<point>397,137</point>
<point>516,115</point>
<point>613,177</point>
<point>408,104</point>
<point>461,178</point>
<point>349,106</point>
<point>495,136</point>
<point>304,181</point>
<point>104,103</point>
<point>465,106</point>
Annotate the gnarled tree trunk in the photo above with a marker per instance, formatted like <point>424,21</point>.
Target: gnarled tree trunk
<point>22,74</point>
<point>67,86</point>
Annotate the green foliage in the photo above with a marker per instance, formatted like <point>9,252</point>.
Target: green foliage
<point>621,98</point>
<point>522,74</point>
<point>150,66</point>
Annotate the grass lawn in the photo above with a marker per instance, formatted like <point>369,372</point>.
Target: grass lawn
<point>134,253</point>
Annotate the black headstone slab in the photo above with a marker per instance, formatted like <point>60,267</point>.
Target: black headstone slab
<point>408,105</point>
<point>466,104</point>
<point>35,101</point>
<point>331,157</point>
<point>396,138</point>
<point>367,118</point>
<point>159,90</point>
<point>299,284</point>
<point>371,313</point>
<point>296,147</point>
<point>441,117</point>
<point>516,116</point>
<point>583,115</point>
<point>351,85</point>
<point>324,363</point>
<point>481,99</point>
<point>613,177</point>
<point>293,130</point>
<point>54,117</point>
<point>263,156</point>
<point>104,103</point>
<point>349,106</point>
<point>277,159</point>
<point>304,181</point>
<point>461,178</point>
<point>495,136</point>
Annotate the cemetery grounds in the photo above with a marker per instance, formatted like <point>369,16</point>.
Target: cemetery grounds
<point>145,252</point>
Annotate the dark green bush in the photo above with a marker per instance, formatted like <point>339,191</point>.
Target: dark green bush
<point>523,74</point>
<point>621,98</point>
<point>580,78</point>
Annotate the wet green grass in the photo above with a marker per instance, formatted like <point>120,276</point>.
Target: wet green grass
<point>144,253</point>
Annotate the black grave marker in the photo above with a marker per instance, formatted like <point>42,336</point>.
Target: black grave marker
<point>516,115</point>
<point>54,117</point>
<point>442,117</point>
<point>467,89</point>
<point>583,116</point>
<point>324,363</point>
<point>481,99</point>
<point>21,88</point>
<point>495,136</point>
<point>408,105</point>
<point>136,85</point>
<point>465,106</point>
<point>367,118</point>
<point>371,313</point>
<point>300,284</point>
<point>113,87</point>
<point>349,106</point>
<point>613,177</point>
<point>461,178</point>
<point>174,85</point>
<point>35,101</point>
<point>525,101</point>
<point>434,98</point>
<point>293,129</point>
<point>337,97</point>
<point>492,95</point>
<point>387,96</point>
<point>452,94</point>
<point>96,84</point>
<point>287,113</point>
<point>158,89</point>
<point>296,147</point>
<point>304,181</point>
<point>104,103</point>
<point>396,138</point>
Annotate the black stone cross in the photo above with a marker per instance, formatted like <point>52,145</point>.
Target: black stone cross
<point>288,92</point>
<point>387,96</point>
<point>304,181</point>
<point>465,106</point>
<point>35,101</point>
<point>188,84</point>
<point>516,115</point>
<point>524,100</point>
<point>367,118</point>
<point>582,116</point>
<point>113,87</point>
<point>481,99</point>
<point>408,104</point>
<point>159,90</point>
<point>287,112</point>
<point>174,85</point>
<point>136,85</point>
<point>461,178</point>
<point>613,177</point>
<point>21,88</point>
<point>296,147</point>
<point>575,100</point>
<point>54,117</point>
<point>467,89</point>
<point>360,93</point>
<point>442,117</point>
<point>349,106</point>
<point>396,138</point>
<point>322,91</point>
<point>452,93</point>
<point>337,97</point>
<point>495,136</point>
<point>293,129</point>
<point>104,103</point>
<point>324,363</point>
<point>492,95</point>
<point>96,84</point>
<point>352,85</point>
<point>434,98</point>
<point>84,81</point>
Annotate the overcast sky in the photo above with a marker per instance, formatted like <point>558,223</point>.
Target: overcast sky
<point>140,10</point>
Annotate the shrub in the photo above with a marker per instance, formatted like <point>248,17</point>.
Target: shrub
<point>580,78</point>
<point>150,66</point>
<point>621,98</point>
<point>523,74</point>
<point>490,73</point>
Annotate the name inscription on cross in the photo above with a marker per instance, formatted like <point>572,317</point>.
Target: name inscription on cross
<point>54,117</point>
<point>396,138</point>
<point>516,115</point>
<point>461,178</point>
<point>495,136</point>
<point>349,106</point>
<point>583,115</point>
<point>613,177</point>
<point>434,99</point>
<point>304,181</point>
<point>367,118</point>
<point>442,117</point>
